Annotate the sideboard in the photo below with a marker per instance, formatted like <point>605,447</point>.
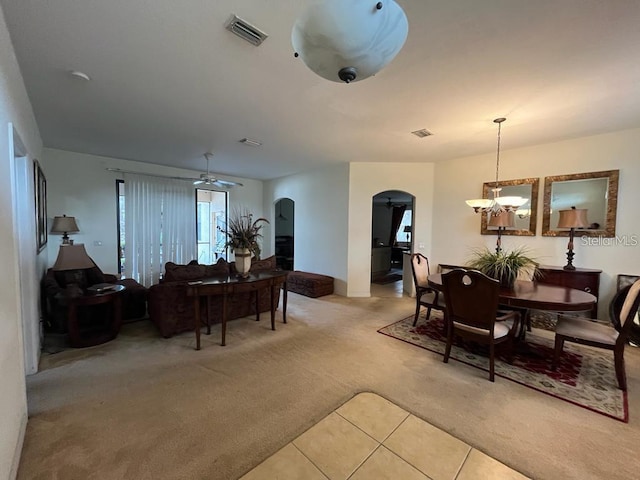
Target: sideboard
<point>581,278</point>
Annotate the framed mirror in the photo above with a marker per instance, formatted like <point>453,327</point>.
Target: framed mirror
<point>595,191</point>
<point>525,218</point>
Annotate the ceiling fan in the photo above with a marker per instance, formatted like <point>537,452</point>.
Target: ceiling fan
<point>210,179</point>
<point>204,179</point>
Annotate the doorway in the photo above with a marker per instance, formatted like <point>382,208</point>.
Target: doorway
<point>284,233</point>
<point>391,241</point>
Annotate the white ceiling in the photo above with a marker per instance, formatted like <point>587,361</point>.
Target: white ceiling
<point>169,82</point>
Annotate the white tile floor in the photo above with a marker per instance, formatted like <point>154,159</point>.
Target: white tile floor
<point>371,438</point>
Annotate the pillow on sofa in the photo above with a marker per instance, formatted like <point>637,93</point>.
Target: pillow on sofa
<point>177,273</point>
<point>268,263</point>
<point>221,267</point>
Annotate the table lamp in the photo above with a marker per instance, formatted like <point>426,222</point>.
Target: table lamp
<point>65,225</point>
<point>503,221</point>
<point>73,257</point>
<point>572,219</point>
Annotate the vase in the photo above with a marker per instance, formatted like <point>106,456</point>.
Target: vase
<point>243,261</point>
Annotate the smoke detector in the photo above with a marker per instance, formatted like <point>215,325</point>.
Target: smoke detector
<point>245,30</point>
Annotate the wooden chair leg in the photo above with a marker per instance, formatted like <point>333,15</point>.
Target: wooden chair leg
<point>447,350</point>
<point>415,317</point>
<point>491,362</point>
<point>428,312</point>
<point>557,351</point>
<point>620,372</point>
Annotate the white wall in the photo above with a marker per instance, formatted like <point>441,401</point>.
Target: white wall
<point>80,186</point>
<point>321,216</point>
<point>457,228</point>
<point>366,180</point>
<point>14,108</point>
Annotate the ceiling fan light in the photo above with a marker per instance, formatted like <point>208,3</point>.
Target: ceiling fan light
<point>349,41</point>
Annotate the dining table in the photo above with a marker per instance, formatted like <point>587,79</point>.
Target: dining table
<point>531,295</point>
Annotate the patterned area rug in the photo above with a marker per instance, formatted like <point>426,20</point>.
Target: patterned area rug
<point>585,377</point>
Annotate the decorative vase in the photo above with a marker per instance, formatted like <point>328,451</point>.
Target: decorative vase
<point>243,261</point>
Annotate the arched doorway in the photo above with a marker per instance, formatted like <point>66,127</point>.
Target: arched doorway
<point>284,233</point>
<point>391,239</point>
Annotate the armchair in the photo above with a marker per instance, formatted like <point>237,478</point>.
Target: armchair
<point>58,282</point>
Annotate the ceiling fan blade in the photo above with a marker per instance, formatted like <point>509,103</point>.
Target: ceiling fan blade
<point>198,182</point>
<point>227,183</point>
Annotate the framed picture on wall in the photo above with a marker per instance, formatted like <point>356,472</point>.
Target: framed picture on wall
<point>40,192</point>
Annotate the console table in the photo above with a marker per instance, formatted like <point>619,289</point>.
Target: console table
<point>224,285</point>
<point>584,279</point>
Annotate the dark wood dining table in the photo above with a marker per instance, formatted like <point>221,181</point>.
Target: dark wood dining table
<point>537,296</point>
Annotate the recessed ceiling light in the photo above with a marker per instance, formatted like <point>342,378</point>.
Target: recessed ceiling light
<point>252,143</point>
<point>80,75</point>
<point>422,133</point>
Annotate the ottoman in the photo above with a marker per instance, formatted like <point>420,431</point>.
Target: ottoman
<point>310,284</point>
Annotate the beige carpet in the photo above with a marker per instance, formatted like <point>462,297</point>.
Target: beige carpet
<point>143,407</point>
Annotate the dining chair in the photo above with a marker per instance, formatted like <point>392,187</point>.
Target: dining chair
<point>594,333</point>
<point>471,300</point>
<point>425,295</point>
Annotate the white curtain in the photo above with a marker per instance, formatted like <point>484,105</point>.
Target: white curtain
<point>160,225</point>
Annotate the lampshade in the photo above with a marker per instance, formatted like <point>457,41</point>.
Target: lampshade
<point>573,218</point>
<point>73,257</point>
<point>349,40</point>
<point>64,224</point>
<point>505,219</point>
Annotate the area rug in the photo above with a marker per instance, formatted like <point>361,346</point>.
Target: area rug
<point>390,278</point>
<point>584,377</point>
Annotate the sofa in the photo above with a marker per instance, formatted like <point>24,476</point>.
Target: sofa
<point>172,311</point>
<point>56,285</point>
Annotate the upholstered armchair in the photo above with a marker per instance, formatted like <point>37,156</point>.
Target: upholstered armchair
<point>57,284</point>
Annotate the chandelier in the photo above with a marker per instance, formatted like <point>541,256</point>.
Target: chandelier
<point>498,204</point>
<point>350,40</point>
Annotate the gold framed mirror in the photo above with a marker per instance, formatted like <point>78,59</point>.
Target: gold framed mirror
<point>595,191</point>
<point>526,216</point>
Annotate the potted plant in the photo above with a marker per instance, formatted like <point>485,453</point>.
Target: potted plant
<point>504,266</point>
<point>242,234</point>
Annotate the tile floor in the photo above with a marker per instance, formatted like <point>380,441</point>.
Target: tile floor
<point>370,438</point>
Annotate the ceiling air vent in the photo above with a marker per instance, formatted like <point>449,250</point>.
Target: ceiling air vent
<point>422,133</point>
<point>245,30</point>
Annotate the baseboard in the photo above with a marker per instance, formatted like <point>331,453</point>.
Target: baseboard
<point>13,473</point>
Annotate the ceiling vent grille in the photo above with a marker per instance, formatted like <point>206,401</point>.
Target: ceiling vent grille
<point>422,133</point>
<point>245,30</point>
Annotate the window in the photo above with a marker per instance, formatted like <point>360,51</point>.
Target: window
<point>211,213</point>
<point>211,217</point>
<point>402,236</point>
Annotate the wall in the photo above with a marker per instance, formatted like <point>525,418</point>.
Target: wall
<point>80,186</point>
<point>15,115</point>
<point>367,179</point>
<point>457,228</point>
<point>321,217</point>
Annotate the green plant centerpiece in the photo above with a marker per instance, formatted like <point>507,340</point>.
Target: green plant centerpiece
<point>243,233</point>
<point>505,266</point>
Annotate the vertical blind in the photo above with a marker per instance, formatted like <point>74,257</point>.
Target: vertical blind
<point>160,225</point>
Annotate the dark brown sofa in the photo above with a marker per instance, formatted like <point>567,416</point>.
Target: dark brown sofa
<point>172,311</point>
